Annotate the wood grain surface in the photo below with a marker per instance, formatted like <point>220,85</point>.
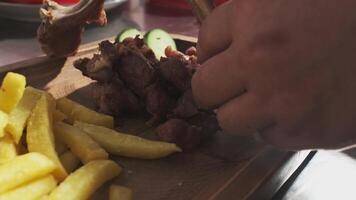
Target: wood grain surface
<point>225,167</point>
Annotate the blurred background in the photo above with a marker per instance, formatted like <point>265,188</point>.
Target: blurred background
<point>19,20</point>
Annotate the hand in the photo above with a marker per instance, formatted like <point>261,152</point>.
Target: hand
<point>284,69</point>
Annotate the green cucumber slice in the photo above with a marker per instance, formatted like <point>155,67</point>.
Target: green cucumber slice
<point>158,40</point>
<point>129,32</point>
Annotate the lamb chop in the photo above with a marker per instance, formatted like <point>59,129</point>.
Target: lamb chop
<point>60,31</point>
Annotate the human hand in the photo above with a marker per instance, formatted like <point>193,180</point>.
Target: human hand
<point>284,69</point>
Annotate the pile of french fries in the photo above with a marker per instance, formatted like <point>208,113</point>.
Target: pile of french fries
<point>58,149</point>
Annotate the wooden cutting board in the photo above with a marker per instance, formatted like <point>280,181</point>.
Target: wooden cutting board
<point>226,167</point>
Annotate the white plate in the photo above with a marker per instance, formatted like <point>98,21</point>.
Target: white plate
<point>29,12</point>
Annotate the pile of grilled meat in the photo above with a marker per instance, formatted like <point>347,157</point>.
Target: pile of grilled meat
<point>131,82</point>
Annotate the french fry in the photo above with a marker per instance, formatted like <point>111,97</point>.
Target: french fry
<point>69,161</point>
<point>4,119</point>
<point>32,190</point>
<point>80,143</point>
<point>19,115</point>
<point>86,180</point>
<point>60,146</point>
<point>77,112</point>
<point>58,116</point>
<point>8,150</point>
<point>11,92</point>
<point>45,197</point>
<point>23,169</point>
<point>127,145</point>
<point>117,192</point>
<point>40,136</point>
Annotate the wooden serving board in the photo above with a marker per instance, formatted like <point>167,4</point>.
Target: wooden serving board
<point>226,167</point>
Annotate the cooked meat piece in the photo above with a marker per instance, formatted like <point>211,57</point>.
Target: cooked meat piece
<point>108,51</point>
<point>115,99</point>
<point>98,68</point>
<point>60,31</point>
<point>138,44</point>
<point>81,64</point>
<point>174,71</point>
<point>188,133</point>
<point>207,121</point>
<point>158,103</point>
<point>185,106</point>
<point>135,70</point>
<point>149,54</point>
<point>180,132</point>
<point>131,80</point>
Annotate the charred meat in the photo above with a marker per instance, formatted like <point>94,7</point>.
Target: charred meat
<point>131,80</point>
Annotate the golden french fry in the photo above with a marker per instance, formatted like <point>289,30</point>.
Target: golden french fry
<point>23,169</point>
<point>32,190</point>
<point>40,136</point>
<point>19,115</point>
<point>117,192</point>
<point>58,116</point>
<point>75,111</point>
<point>8,150</point>
<point>69,161</point>
<point>127,145</point>
<point>4,119</point>
<point>60,146</point>
<point>11,92</point>
<point>79,142</point>
<point>45,197</point>
<point>86,180</point>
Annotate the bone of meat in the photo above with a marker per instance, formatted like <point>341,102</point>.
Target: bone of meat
<point>60,31</point>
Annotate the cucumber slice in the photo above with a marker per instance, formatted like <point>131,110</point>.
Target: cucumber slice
<point>158,40</point>
<point>129,32</point>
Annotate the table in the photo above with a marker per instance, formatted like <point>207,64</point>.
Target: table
<point>329,175</point>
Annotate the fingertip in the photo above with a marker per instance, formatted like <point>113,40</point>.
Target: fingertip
<point>214,33</point>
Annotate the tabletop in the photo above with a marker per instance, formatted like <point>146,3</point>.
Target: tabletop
<point>329,175</point>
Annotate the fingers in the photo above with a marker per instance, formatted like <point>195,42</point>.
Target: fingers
<point>244,115</point>
<point>217,81</point>
<point>215,34</point>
